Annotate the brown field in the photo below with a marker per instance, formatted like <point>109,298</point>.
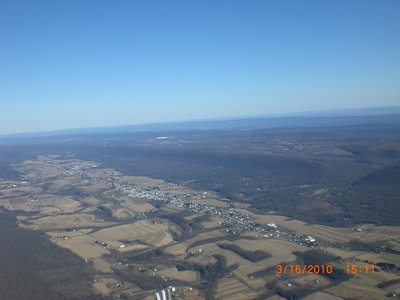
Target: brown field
<point>372,233</point>
<point>90,200</point>
<point>276,297</point>
<point>340,235</point>
<point>181,248</point>
<point>56,185</point>
<point>192,295</point>
<point>362,286</point>
<point>231,288</point>
<point>59,234</point>
<point>143,230</point>
<point>39,168</point>
<point>241,205</point>
<point>202,260</point>
<point>175,188</point>
<point>214,222</point>
<point>84,246</point>
<point>357,289</point>
<point>93,188</point>
<point>169,208</point>
<point>133,247</point>
<point>139,207</point>
<point>66,204</point>
<point>211,201</point>
<point>309,280</point>
<point>102,286</point>
<point>101,265</point>
<point>343,253</point>
<point>391,258</point>
<point>44,203</point>
<point>104,173</point>
<point>322,296</point>
<point>20,191</point>
<point>193,216</point>
<point>179,275</point>
<point>69,221</point>
<point>142,180</point>
<point>121,214</point>
<point>18,203</point>
<point>380,257</point>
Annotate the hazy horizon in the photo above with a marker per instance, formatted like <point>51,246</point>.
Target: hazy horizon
<point>95,64</point>
<point>347,112</point>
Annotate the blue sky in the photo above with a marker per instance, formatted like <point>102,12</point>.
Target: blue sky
<point>87,63</point>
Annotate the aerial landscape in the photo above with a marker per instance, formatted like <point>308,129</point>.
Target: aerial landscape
<point>204,151</point>
<point>261,213</point>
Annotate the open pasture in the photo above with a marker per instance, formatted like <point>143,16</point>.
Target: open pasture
<point>101,265</point>
<point>211,201</point>
<point>141,180</point>
<point>231,288</point>
<point>139,207</point>
<point>213,223</point>
<point>173,272</point>
<point>133,246</point>
<point>143,230</point>
<point>121,213</point>
<point>19,191</point>
<point>92,187</point>
<point>358,288</point>
<point>49,223</point>
<point>181,248</point>
<point>84,246</point>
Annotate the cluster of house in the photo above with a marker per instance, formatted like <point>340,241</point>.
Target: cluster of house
<point>103,244</point>
<point>236,222</point>
<point>59,238</point>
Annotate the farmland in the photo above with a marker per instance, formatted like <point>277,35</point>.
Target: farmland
<point>140,235</point>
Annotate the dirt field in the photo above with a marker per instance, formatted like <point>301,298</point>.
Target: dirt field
<point>142,181</point>
<point>179,275</point>
<point>134,246</point>
<point>107,284</point>
<point>343,253</point>
<point>357,289</point>
<point>145,231</point>
<point>214,222</point>
<point>101,265</point>
<point>322,296</point>
<point>84,246</point>
<point>69,221</point>
<point>122,214</point>
<point>181,248</point>
<point>231,288</point>
<point>139,207</point>
<point>211,201</point>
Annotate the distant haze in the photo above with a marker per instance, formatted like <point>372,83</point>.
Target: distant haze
<point>74,64</point>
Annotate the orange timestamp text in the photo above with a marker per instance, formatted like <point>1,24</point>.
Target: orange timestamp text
<point>304,269</point>
<point>357,268</point>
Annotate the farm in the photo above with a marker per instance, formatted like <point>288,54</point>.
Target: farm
<point>141,234</point>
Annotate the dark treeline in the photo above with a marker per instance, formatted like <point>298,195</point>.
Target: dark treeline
<point>253,256</point>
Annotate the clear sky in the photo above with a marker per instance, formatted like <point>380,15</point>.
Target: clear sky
<point>87,63</point>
